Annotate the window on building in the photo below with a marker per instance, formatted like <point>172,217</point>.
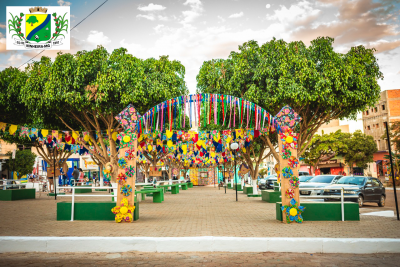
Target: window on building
<point>368,127</point>
<point>376,109</point>
<point>379,144</point>
<point>383,107</point>
<point>366,112</point>
<point>377,125</point>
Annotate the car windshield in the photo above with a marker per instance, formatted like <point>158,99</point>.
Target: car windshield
<point>304,178</point>
<point>322,179</point>
<point>351,180</point>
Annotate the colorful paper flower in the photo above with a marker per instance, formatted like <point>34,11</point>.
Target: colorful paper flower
<point>121,178</point>
<point>286,153</point>
<point>293,162</point>
<point>289,193</point>
<point>287,172</point>
<point>294,181</point>
<point>122,162</point>
<point>293,212</point>
<point>123,212</point>
<point>130,154</point>
<point>130,171</point>
<point>289,139</point>
<point>126,190</point>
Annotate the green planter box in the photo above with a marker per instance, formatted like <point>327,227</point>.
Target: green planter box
<point>90,211</point>
<point>322,211</point>
<point>239,187</point>
<point>17,194</point>
<point>270,196</point>
<point>83,189</point>
<point>190,185</point>
<point>247,190</point>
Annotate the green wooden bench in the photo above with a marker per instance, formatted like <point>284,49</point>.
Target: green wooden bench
<point>174,187</point>
<point>190,185</point>
<point>157,193</point>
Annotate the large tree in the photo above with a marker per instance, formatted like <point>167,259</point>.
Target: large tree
<point>325,147</point>
<point>360,150</point>
<point>23,162</point>
<point>14,111</point>
<point>317,82</point>
<point>90,88</point>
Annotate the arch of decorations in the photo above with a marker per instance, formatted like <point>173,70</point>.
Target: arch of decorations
<point>245,121</point>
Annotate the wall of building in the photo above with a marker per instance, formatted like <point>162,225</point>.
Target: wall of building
<point>374,120</point>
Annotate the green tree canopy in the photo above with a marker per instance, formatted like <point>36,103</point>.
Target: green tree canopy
<point>23,162</point>
<point>87,90</point>
<point>360,150</point>
<point>32,20</point>
<point>317,82</point>
<point>325,147</point>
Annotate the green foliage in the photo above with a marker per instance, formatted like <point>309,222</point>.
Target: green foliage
<point>360,150</point>
<point>101,82</point>
<point>317,82</point>
<point>394,134</point>
<point>32,20</point>
<point>326,145</point>
<point>23,162</point>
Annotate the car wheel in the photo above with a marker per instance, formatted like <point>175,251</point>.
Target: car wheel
<point>381,201</point>
<point>360,201</point>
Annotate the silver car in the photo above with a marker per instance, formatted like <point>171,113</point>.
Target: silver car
<point>319,181</point>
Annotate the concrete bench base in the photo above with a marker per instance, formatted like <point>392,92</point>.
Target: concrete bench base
<point>174,188</point>
<point>270,196</point>
<point>17,194</point>
<point>90,211</point>
<point>325,211</point>
<point>156,193</point>
<point>248,190</point>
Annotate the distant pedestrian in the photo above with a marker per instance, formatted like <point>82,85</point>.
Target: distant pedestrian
<point>75,176</point>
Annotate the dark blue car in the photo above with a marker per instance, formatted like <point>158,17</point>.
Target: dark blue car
<point>367,189</point>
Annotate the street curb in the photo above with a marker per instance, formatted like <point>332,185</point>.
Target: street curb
<point>199,244</point>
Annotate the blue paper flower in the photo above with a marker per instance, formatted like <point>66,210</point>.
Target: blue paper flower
<point>293,212</point>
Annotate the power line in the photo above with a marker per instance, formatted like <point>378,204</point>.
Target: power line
<point>69,31</point>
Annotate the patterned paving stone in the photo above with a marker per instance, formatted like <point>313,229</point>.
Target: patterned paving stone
<point>199,211</point>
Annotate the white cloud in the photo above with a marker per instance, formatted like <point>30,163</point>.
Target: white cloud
<point>158,28</point>
<point>15,60</point>
<point>149,17</point>
<point>163,18</point>
<point>151,7</point>
<point>221,18</point>
<point>3,45</point>
<point>268,6</point>
<point>236,15</point>
<point>63,3</point>
<point>2,26</point>
<point>134,49</point>
<point>196,8</point>
<point>298,13</point>
<point>98,38</point>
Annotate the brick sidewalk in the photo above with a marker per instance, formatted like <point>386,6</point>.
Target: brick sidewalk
<point>199,211</point>
<point>197,259</point>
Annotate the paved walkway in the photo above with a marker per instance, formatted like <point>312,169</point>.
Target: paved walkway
<point>199,211</point>
<point>197,259</point>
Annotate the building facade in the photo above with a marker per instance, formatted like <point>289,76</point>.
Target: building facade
<point>374,124</point>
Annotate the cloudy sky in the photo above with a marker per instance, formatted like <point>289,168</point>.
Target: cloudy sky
<point>193,31</point>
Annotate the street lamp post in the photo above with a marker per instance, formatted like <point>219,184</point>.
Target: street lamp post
<point>225,179</point>
<point>234,147</point>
